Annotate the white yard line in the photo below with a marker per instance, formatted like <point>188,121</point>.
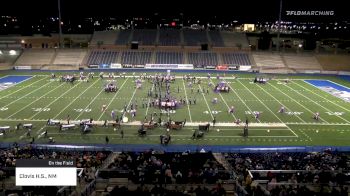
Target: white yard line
<point>266,106</point>
<point>132,97</point>
<point>296,102</point>
<point>318,104</point>
<point>206,101</point>
<point>207,136</point>
<point>279,102</point>
<point>56,99</point>
<point>149,100</point>
<point>241,99</point>
<point>89,104</point>
<point>228,107</point>
<point>115,95</point>
<point>35,100</point>
<point>76,98</point>
<point>188,107</point>
<point>195,124</point>
<point>320,95</point>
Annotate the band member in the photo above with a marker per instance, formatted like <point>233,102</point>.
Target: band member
<point>282,109</point>
<point>317,116</point>
<point>215,100</point>
<point>238,121</point>
<point>231,110</point>
<point>257,115</point>
<point>208,76</point>
<point>113,114</point>
<point>104,107</point>
<point>133,113</point>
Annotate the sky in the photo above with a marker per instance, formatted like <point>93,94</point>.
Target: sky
<point>242,9</point>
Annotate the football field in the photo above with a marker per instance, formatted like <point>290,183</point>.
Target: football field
<point>35,98</point>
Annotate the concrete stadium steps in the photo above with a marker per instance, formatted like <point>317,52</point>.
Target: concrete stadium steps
<point>305,62</point>
<point>268,60</point>
<point>36,57</point>
<point>334,62</point>
<point>105,37</point>
<point>69,57</point>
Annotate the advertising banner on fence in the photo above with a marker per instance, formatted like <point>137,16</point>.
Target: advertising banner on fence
<point>222,67</point>
<point>93,66</point>
<point>116,66</point>
<point>169,66</point>
<point>210,67</point>
<point>245,67</point>
<point>23,67</point>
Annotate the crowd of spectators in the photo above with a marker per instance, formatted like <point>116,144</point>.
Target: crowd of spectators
<point>168,168</point>
<point>314,173</point>
<point>191,174</point>
<point>89,161</point>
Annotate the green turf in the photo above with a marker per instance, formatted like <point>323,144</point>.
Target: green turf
<point>40,98</point>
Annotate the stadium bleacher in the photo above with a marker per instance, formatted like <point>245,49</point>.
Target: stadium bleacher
<point>98,57</point>
<point>195,37</point>
<point>234,58</point>
<point>169,58</point>
<point>216,39</point>
<point>306,62</point>
<point>135,57</point>
<point>334,62</point>
<point>69,57</point>
<point>268,60</point>
<point>104,37</point>
<point>123,37</point>
<point>169,37</point>
<point>36,57</point>
<point>145,36</point>
<point>233,39</point>
<point>203,58</point>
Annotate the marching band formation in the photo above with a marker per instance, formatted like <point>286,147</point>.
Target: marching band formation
<point>159,96</point>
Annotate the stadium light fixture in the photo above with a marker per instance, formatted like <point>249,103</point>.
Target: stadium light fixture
<point>0,52</point>
<point>12,52</point>
<point>22,41</point>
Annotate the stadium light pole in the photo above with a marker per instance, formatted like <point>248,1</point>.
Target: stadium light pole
<point>59,24</point>
<point>279,27</point>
